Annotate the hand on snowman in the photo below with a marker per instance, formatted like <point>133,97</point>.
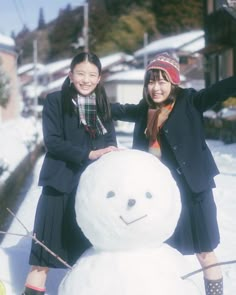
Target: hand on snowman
<point>96,154</point>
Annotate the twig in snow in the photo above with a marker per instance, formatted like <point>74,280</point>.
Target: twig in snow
<point>207,267</point>
<point>33,237</point>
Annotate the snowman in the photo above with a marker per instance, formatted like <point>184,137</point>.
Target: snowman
<point>127,205</point>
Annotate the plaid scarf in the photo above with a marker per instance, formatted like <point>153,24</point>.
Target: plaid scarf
<point>156,119</point>
<point>86,106</point>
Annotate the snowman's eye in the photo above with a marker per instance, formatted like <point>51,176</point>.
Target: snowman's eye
<point>148,195</point>
<point>110,194</point>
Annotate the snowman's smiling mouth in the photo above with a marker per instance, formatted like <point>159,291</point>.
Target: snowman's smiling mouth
<point>135,220</point>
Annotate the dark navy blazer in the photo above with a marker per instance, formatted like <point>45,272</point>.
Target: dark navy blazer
<point>67,146</point>
<point>182,135</point>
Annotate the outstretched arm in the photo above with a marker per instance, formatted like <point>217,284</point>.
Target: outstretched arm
<point>125,112</point>
<point>218,92</point>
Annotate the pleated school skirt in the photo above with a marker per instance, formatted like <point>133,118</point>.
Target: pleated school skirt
<point>197,230</point>
<point>55,225</point>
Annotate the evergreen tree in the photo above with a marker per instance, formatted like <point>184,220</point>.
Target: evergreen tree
<point>68,7</point>
<point>129,32</point>
<point>13,35</point>
<point>65,31</point>
<point>177,16</point>
<point>4,87</point>
<point>24,32</point>
<point>113,25</point>
<point>41,22</point>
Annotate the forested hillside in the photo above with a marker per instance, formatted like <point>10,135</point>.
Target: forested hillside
<point>114,25</point>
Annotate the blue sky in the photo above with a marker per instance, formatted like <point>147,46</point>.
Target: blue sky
<point>15,13</point>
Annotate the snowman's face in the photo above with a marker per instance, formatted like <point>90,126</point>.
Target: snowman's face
<point>127,200</point>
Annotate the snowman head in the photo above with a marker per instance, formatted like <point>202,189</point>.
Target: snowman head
<point>127,200</point>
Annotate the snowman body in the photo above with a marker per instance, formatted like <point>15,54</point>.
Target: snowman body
<point>127,205</point>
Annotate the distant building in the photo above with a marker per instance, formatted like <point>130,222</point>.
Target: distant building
<point>50,77</point>
<point>185,47</point>
<point>220,35</point>
<point>8,58</point>
<point>125,87</point>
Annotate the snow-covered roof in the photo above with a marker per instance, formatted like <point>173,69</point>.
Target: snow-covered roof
<point>115,58</point>
<point>185,41</point>
<point>194,46</point>
<point>105,61</point>
<point>210,114</point>
<point>31,90</point>
<point>29,68</point>
<point>5,40</point>
<point>64,65</point>
<point>131,75</point>
<point>56,84</point>
<point>228,113</point>
<point>56,66</point>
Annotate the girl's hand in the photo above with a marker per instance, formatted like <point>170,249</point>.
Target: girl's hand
<point>94,155</point>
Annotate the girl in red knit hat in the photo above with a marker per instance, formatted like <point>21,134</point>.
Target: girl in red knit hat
<point>168,124</point>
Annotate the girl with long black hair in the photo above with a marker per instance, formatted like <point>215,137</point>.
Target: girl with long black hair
<point>77,129</point>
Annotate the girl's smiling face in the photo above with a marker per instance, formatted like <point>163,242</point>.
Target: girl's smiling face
<point>159,89</point>
<point>85,77</point>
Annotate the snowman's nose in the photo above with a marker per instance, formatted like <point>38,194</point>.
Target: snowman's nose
<point>131,202</point>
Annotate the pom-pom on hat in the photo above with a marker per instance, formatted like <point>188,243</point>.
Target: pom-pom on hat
<point>167,63</point>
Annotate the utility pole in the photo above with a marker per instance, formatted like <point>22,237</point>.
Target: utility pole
<point>83,40</point>
<point>35,59</point>
<point>145,56</point>
<point>85,29</point>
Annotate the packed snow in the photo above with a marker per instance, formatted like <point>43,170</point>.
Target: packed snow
<point>124,216</point>
<point>14,249</point>
<point>18,138</point>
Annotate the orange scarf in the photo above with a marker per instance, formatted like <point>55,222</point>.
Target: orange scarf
<point>156,119</point>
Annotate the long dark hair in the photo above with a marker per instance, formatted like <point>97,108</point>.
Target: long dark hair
<point>155,75</point>
<point>69,91</point>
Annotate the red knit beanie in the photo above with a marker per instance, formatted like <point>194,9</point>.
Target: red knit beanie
<point>168,64</point>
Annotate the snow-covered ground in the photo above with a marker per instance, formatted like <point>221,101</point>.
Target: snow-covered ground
<point>18,137</point>
<point>14,250</point>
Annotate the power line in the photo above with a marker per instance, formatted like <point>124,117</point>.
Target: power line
<point>22,5</point>
<point>19,12</point>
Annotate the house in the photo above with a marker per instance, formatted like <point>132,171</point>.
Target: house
<point>127,83</point>
<point>181,45</point>
<point>26,72</point>
<point>220,62</point>
<point>116,62</point>
<point>8,58</point>
<point>220,41</point>
<point>125,87</point>
<point>185,47</point>
<point>36,79</point>
<point>51,76</point>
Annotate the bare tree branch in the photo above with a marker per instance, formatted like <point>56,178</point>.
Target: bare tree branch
<point>33,237</point>
<point>207,267</point>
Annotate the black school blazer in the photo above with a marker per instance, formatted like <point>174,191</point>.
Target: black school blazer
<point>183,131</point>
<point>67,146</point>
